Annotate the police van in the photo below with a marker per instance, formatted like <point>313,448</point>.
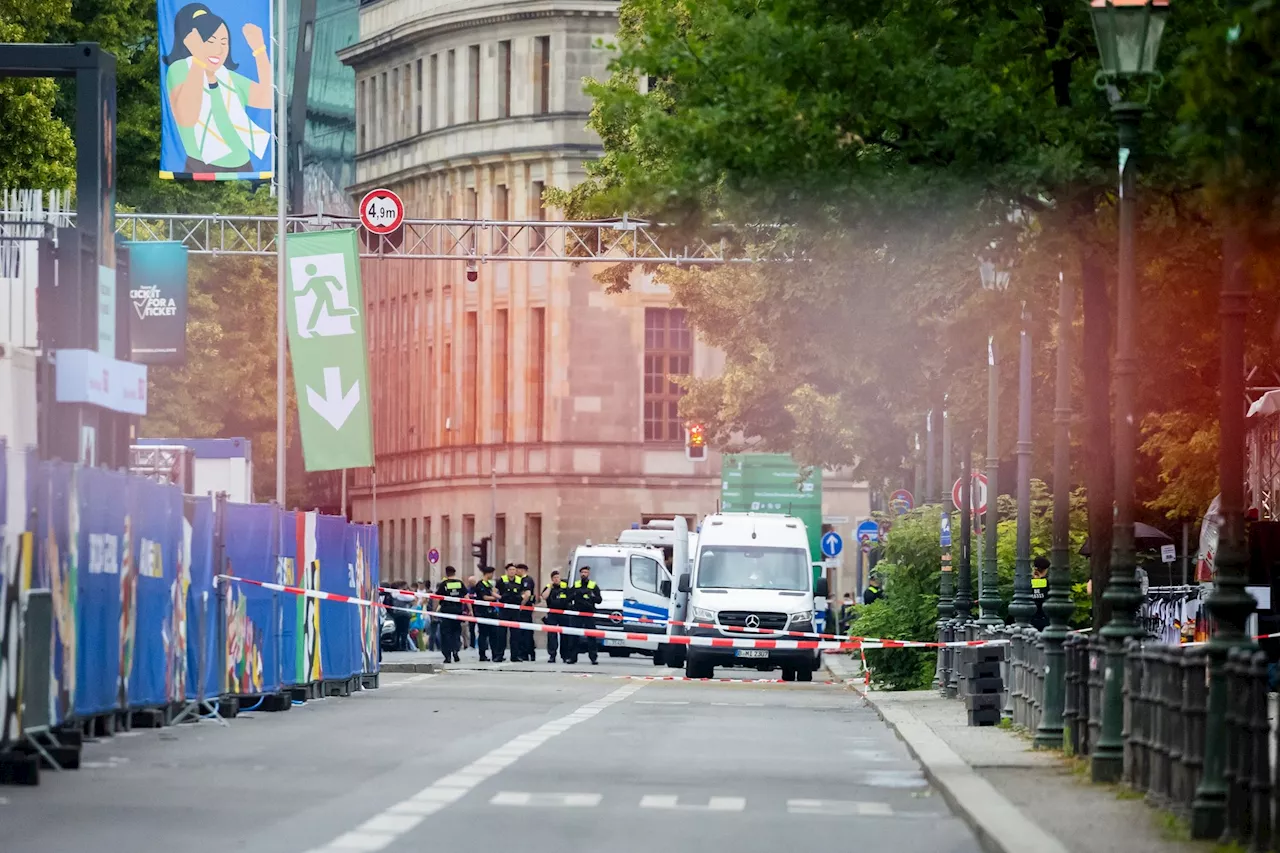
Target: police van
<point>750,570</point>
<point>634,588</point>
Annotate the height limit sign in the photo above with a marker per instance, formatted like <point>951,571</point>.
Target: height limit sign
<point>381,211</point>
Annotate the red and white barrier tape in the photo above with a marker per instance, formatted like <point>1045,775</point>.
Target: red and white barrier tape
<point>873,642</point>
<point>634,637</point>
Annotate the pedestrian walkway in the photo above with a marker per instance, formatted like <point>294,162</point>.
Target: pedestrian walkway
<point>1016,799</point>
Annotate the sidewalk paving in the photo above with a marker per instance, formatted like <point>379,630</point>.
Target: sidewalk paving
<point>1017,800</point>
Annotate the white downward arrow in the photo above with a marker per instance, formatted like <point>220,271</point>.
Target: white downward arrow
<point>335,407</point>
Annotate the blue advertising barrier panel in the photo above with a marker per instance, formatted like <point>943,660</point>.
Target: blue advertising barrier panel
<point>341,621</point>
<point>202,599</point>
<point>49,489</point>
<point>215,90</point>
<point>291,606</point>
<point>155,523</point>
<point>252,614</point>
<point>362,557</point>
<point>103,538</point>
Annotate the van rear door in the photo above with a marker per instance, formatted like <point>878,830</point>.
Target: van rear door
<point>643,601</point>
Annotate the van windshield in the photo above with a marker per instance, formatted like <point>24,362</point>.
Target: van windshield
<point>732,567</point>
<point>605,571</point>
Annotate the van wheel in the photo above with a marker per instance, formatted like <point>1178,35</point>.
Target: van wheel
<point>788,674</point>
<point>804,674</point>
<point>694,668</point>
<point>657,656</point>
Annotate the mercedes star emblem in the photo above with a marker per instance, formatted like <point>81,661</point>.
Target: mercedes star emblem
<point>753,621</point>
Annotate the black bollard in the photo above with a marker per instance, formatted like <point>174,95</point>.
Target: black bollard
<point>1194,698</point>
<point>1260,787</point>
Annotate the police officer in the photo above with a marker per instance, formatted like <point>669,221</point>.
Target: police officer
<point>556,595</point>
<point>492,637</point>
<point>1040,592</point>
<point>528,595</point>
<point>452,591</point>
<point>511,591</point>
<point>585,596</point>
<point>873,592</point>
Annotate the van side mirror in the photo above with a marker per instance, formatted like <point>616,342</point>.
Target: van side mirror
<point>820,589</point>
<point>685,582</point>
<point>666,589</point>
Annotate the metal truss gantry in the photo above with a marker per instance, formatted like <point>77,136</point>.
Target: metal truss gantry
<point>611,241</point>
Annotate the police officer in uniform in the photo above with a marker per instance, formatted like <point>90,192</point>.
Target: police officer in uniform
<point>492,637</point>
<point>528,596</point>
<point>510,591</point>
<point>585,596</point>
<point>452,591</point>
<point>556,595</point>
<point>873,592</point>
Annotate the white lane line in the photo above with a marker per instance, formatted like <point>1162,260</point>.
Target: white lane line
<point>543,800</point>
<point>839,808</point>
<point>383,829</point>
<point>660,702</point>
<point>671,802</point>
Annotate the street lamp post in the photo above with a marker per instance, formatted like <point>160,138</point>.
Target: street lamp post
<point>1128,33</point>
<point>989,583</point>
<point>930,458</point>
<point>946,579</point>
<point>1058,606</point>
<point>1022,608</point>
<point>1230,603</point>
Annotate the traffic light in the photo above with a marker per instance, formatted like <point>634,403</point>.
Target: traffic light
<point>695,442</point>
<point>480,550</point>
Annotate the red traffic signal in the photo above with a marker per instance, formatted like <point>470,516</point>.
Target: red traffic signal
<point>695,444</point>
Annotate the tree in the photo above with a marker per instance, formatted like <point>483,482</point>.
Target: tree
<point>38,151</point>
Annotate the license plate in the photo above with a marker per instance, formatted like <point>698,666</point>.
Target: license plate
<point>613,642</point>
<point>752,653</point>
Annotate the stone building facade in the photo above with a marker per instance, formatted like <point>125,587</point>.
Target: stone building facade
<point>528,404</point>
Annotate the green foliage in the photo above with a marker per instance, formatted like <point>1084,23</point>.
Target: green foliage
<point>1042,545</point>
<point>909,610</point>
<point>37,147</point>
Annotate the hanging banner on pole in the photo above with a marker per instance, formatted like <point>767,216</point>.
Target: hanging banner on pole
<point>158,303</point>
<point>325,314</point>
<point>216,95</point>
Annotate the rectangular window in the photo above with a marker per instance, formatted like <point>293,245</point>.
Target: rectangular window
<point>417,89</point>
<point>468,536</point>
<point>389,567</point>
<point>501,237</point>
<point>384,112</point>
<point>473,89</point>
<point>542,73</point>
<point>499,555</point>
<point>433,92</point>
<point>533,545</point>
<point>404,567</point>
<point>668,352</point>
<point>504,79</point>
<point>396,118</point>
<point>470,378</point>
<point>427,545</point>
<point>451,87</point>
<point>538,211</point>
<point>500,383</point>
<point>446,542</point>
<point>536,378</point>
<point>364,109</point>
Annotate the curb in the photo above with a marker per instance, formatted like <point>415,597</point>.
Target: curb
<point>405,666</point>
<point>1000,826</point>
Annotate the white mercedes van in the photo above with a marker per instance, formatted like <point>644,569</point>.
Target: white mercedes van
<point>751,570</point>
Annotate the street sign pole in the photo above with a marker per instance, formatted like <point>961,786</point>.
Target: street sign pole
<point>282,210</point>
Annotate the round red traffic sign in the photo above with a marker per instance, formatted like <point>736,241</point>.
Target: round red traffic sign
<point>381,211</point>
<point>977,496</point>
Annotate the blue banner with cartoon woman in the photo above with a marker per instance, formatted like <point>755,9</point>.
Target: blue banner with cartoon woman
<point>216,90</point>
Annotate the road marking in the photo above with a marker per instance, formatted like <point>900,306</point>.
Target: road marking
<point>541,800</point>
<point>382,830</point>
<point>737,704</point>
<point>672,802</point>
<point>839,808</point>
<point>872,755</point>
<point>659,702</point>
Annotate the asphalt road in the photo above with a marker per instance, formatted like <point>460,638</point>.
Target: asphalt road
<point>541,760</point>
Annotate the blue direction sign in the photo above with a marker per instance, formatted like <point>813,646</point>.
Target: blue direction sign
<point>832,544</point>
<point>868,532</point>
<point>944,534</point>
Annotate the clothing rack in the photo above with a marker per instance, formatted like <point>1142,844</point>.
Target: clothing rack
<point>1174,614</point>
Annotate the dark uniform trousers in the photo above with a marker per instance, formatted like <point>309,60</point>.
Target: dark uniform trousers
<point>451,629</point>
<point>522,639</point>
<point>558,598</point>
<point>492,638</point>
